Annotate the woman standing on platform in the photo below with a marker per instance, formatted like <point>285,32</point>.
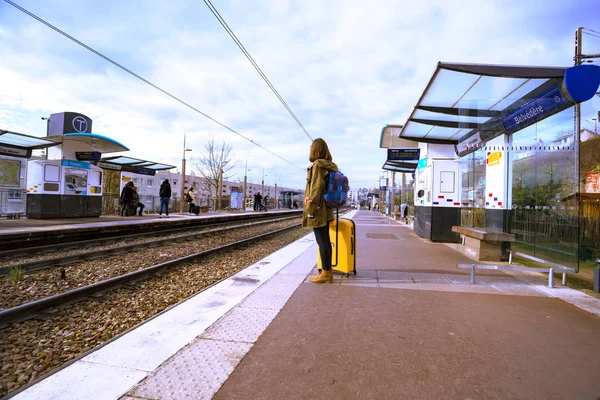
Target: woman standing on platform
<point>191,199</point>
<point>316,214</point>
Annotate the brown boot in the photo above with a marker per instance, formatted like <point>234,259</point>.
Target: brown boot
<point>324,276</point>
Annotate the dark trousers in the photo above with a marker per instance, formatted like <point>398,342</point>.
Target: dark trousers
<point>322,237</point>
<point>164,202</point>
<point>141,207</point>
<point>191,209</point>
<point>126,209</point>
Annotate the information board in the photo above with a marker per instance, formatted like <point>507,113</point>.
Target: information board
<point>403,154</point>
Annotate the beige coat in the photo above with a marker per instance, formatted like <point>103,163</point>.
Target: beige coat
<point>192,197</point>
<point>314,203</point>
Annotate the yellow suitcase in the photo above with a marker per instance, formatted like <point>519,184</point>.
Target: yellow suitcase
<point>343,241</point>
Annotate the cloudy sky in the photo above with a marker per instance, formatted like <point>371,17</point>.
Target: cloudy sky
<point>345,67</point>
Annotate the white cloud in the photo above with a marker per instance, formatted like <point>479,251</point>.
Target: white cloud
<point>346,68</point>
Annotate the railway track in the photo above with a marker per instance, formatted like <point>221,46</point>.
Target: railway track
<point>48,245</point>
<point>35,347</point>
<point>83,250</point>
<point>33,308</point>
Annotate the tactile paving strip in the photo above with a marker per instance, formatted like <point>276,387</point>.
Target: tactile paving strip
<point>195,373</point>
<point>274,293</point>
<point>241,325</point>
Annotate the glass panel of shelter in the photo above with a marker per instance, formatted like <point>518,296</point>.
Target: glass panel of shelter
<point>537,198</point>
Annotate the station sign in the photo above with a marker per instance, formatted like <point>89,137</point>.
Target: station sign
<point>88,155</point>
<point>75,164</point>
<point>68,122</point>
<point>138,170</point>
<point>403,154</point>
<point>471,143</point>
<point>6,150</point>
<point>536,109</point>
<point>105,165</point>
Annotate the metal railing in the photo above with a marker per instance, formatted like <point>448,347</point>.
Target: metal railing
<point>12,202</point>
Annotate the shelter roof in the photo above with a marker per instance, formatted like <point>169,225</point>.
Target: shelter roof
<point>24,141</point>
<point>135,162</point>
<point>99,143</point>
<point>20,145</point>
<point>469,104</point>
<point>400,166</point>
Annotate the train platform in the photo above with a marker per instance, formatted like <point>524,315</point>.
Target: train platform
<point>409,325</point>
<point>16,233</point>
<point>12,226</point>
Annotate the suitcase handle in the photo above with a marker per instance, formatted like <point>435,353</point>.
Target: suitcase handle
<point>352,246</point>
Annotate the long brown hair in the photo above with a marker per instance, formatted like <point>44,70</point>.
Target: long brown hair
<point>319,150</point>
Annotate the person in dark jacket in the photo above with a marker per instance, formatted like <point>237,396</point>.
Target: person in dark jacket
<point>126,199</point>
<point>165,196</point>
<point>316,214</point>
<point>257,200</point>
<point>137,203</point>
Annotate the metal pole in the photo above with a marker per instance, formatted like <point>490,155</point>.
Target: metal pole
<point>245,183</point>
<point>393,194</point>
<point>597,277</point>
<point>276,204</point>
<point>577,137</point>
<point>181,189</point>
<point>403,190</point>
<point>220,189</point>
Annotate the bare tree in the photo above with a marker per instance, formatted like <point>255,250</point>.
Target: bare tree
<point>214,161</point>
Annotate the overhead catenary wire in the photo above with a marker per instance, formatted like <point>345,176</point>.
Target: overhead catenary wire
<point>144,80</point>
<point>249,57</point>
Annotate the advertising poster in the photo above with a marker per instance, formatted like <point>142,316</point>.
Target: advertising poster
<point>9,172</point>
<point>236,197</point>
<point>592,182</point>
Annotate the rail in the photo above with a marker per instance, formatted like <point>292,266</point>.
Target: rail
<point>30,310</point>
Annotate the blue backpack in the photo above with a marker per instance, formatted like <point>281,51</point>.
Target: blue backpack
<point>336,192</point>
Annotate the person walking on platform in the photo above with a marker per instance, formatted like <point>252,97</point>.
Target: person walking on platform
<point>257,200</point>
<point>191,199</point>
<point>165,196</point>
<point>404,212</point>
<point>127,199</point>
<point>315,213</point>
<point>137,203</point>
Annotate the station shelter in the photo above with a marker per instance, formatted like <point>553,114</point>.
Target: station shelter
<point>15,150</point>
<point>67,181</point>
<point>496,147</point>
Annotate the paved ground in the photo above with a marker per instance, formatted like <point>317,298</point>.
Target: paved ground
<point>408,326</point>
<point>371,338</point>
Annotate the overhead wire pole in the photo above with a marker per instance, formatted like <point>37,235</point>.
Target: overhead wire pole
<point>249,57</point>
<point>144,80</point>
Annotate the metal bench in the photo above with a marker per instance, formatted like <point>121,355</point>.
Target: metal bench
<point>484,244</point>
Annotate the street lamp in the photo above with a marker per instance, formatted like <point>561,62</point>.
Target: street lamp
<point>245,186</point>
<point>276,204</point>
<point>182,189</point>
<point>263,184</point>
